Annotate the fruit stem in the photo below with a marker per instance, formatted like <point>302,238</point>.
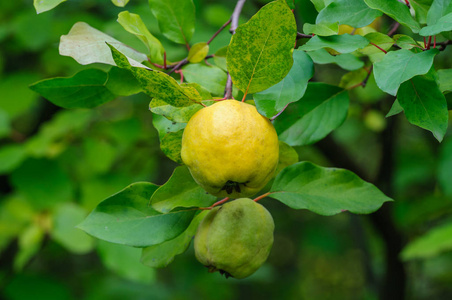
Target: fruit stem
<point>261,196</point>
<point>215,204</point>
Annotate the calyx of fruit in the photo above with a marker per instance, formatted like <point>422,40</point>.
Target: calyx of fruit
<point>235,238</point>
<point>230,149</point>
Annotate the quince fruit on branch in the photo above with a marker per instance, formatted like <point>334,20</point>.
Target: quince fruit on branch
<point>235,238</point>
<point>230,149</point>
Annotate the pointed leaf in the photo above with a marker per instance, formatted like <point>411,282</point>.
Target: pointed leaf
<point>322,109</point>
<point>322,29</point>
<point>120,3</point>
<point>46,5</point>
<point>290,89</point>
<point>86,89</point>
<point>442,25</point>
<point>351,12</point>
<point>344,43</point>
<point>397,67</point>
<point>211,78</point>
<point>431,244</point>
<point>438,9</point>
<point>346,61</point>
<point>126,218</point>
<point>424,105</point>
<point>396,10</point>
<point>176,19</point>
<point>180,191</point>
<point>161,255</point>
<point>198,52</point>
<point>260,52</point>
<point>445,80</point>
<point>395,109</point>
<point>133,24</point>
<point>405,41</point>
<point>326,191</point>
<point>156,84</point>
<point>88,45</point>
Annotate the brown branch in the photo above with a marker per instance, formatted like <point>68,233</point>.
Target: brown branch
<point>228,88</point>
<point>218,31</point>
<point>302,35</point>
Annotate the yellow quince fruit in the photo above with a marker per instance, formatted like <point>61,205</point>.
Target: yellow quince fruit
<point>230,149</point>
<point>235,238</point>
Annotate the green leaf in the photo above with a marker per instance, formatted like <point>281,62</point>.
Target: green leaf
<point>424,105</point>
<point>397,67</point>
<point>211,78</point>
<point>180,190</point>
<point>165,126</point>
<point>198,52</point>
<point>46,5</point>
<point>287,156</point>
<point>345,61</point>
<point>5,126</point>
<point>86,89</point>
<point>161,255</point>
<point>322,109</point>
<point>171,145</point>
<point>63,231</point>
<point>353,78</point>
<point>17,98</point>
<point>442,25</point>
<point>87,45</point>
<point>445,166</point>
<point>438,9</point>
<point>322,29</point>
<point>381,40</point>
<point>431,244</point>
<point>220,58</point>
<point>396,10</point>
<point>421,8</point>
<point>321,4</point>
<point>156,84</point>
<point>405,41</point>
<point>29,242</point>
<point>34,174</point>
<point>176,19</point>
<point>120,3</point>
<point>133,24</point>
<point>395,109</point>
<point>11,156</point>
<point>126,218</point>
<point>121,82</point>
<point>326,191</point>
<point>445,80</point>
<point>351,12</point>
<point>290,89</point>
<point>344,43</point>
<point>124,261</point>
<point>260,52</point>
<point>175,114</point>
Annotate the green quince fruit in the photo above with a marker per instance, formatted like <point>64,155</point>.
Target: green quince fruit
<point>235,238</point>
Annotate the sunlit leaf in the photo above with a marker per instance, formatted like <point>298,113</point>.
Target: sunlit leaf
<point>260,52</point>
<point>87,45</point>
<point>351,12</point>
<point>344,43</point>
<point>322,29</point>
<point>46,5</point>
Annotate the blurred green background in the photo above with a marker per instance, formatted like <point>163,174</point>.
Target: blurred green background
<point>56,165</point>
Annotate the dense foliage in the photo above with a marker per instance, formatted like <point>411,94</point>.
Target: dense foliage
<point>358,92</point>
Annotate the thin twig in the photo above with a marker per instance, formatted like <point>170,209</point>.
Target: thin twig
<point>218,31</point>
<point>235,16</point>
<point>228,88</point>
<point>394,29</point>
<point>179,65</point>
<point>302,35</point>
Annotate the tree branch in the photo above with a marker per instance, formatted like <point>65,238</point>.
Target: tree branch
<point>235,16</point>
<point>302,35</point>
